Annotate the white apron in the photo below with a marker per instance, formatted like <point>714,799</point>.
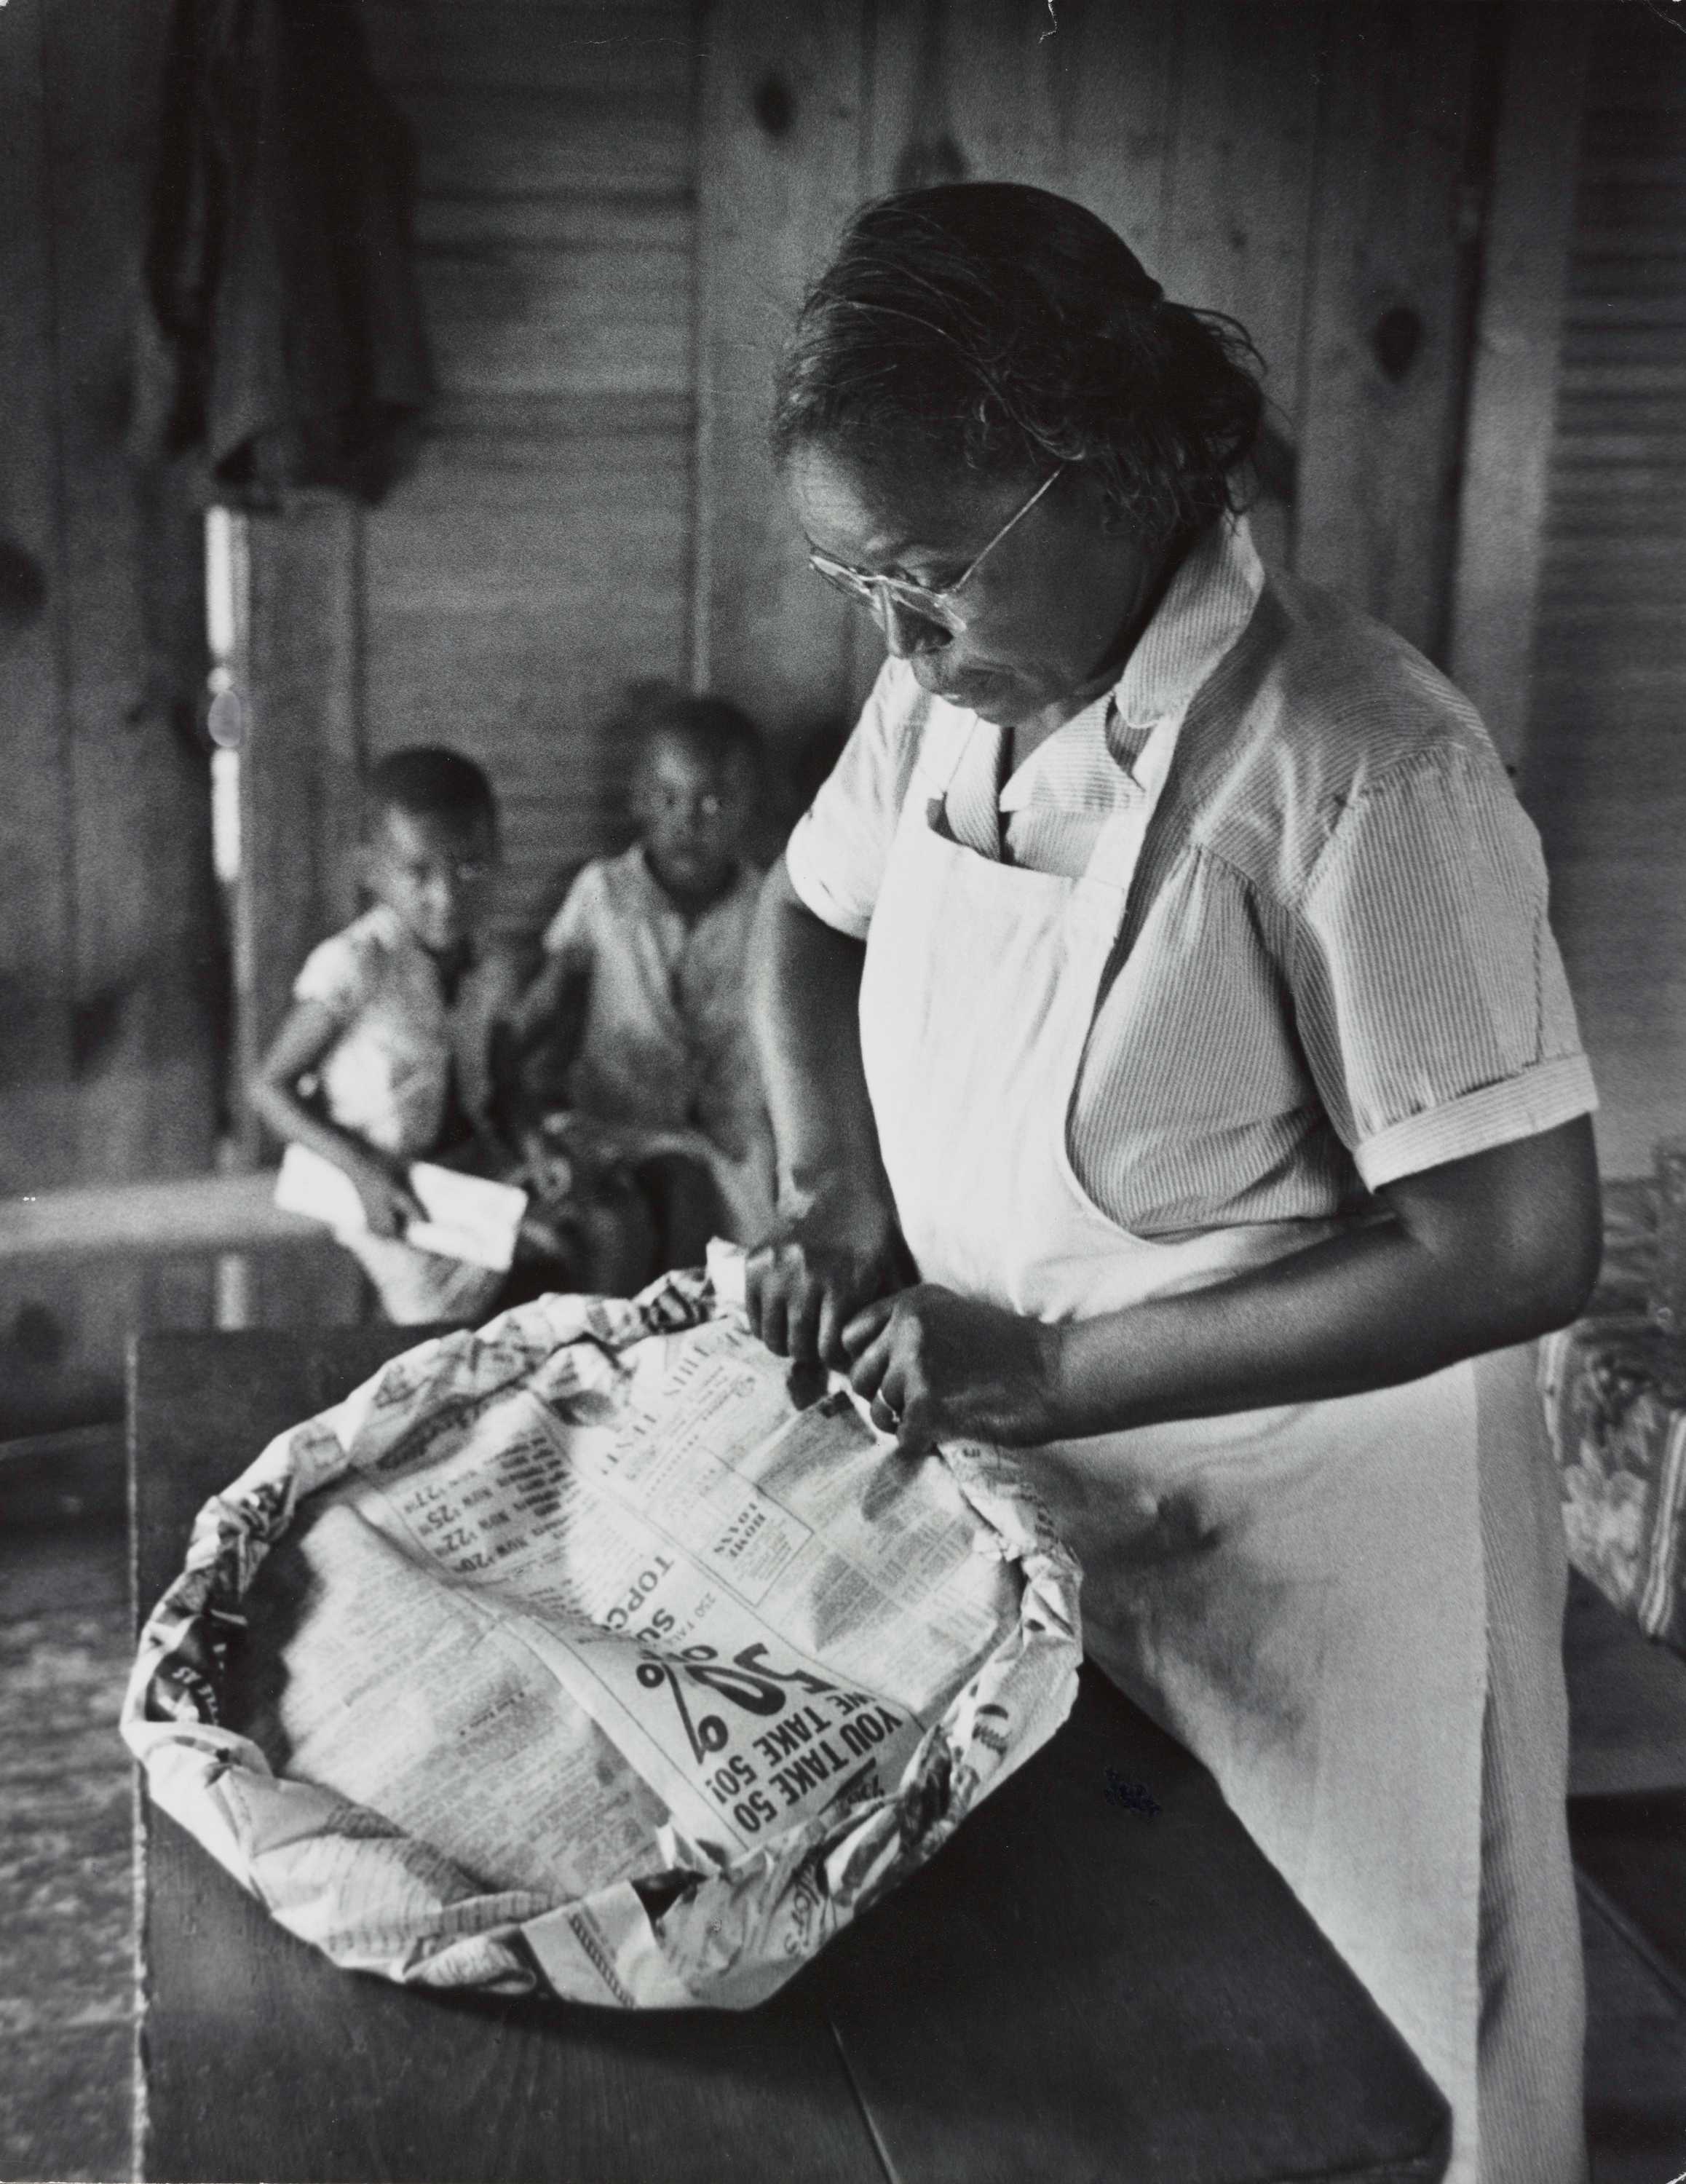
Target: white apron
<point>1297,1593</point>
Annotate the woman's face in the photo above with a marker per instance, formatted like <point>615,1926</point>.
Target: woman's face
<point>1046,614</point>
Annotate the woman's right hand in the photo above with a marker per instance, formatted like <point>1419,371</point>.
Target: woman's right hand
<point>827,1254</point>
<point>389,1203</point>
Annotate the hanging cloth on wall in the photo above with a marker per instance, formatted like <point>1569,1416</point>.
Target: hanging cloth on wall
<point>282,329</point>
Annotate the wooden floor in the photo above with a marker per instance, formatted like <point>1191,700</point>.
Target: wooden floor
<point>66,1961</point>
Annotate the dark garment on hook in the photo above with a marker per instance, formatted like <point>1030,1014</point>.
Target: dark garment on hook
<point>283,328</point>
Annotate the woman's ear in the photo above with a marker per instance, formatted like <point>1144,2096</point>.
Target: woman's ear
<point>1105,505</point>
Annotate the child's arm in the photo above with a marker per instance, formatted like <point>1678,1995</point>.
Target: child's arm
<point>552,1008</point>
<point>382,1182</point>
<point>543,1033</point>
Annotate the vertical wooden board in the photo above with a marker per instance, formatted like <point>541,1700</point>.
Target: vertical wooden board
<point>1241,173</point>
<point>1083,102</point>
<point>1239,204</point>
<point>147,972</point>
<point>300,663</point>
<point>301,762</point>
<point>539,558</point>
<point>975,92</point>
<point>1507,450</point>
<point>1395,222</point>
<point>141,845</point>
<point>43,1360</point>
<point>1121,91</point>
<point>779,173</point>
<point>37,1128</point>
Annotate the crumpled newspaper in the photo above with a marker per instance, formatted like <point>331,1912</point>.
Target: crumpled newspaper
<point>593,1655</point>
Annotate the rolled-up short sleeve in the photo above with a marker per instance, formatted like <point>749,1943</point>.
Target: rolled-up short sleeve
<point>334,975</point>
<point>837,853</point>
<point>1430,998</point>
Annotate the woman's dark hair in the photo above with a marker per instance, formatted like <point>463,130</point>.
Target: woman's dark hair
<point>1007,330</point>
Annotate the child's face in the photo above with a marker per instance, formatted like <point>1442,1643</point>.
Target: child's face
<point>434,871</point>
<point>693,809</point>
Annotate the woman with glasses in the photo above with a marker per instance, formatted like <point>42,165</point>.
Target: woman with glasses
<point>1174,1077</point>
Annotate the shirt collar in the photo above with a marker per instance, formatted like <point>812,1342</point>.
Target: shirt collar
<point>1209,601</point>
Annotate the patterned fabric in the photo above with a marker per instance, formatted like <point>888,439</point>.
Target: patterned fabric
<point>1335,967</point>
<point>666,1040</point>
<point>388,1075</point>
<point>1615,1391</point>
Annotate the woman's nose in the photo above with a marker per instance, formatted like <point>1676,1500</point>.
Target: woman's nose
<point>907,634</point>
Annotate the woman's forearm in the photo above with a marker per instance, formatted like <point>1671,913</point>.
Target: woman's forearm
<point>1481,1254</point>
<point>1469,1257</point>
<point>804,984</point>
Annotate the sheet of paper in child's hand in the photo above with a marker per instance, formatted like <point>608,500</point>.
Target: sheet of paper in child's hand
<point>468,1218</point>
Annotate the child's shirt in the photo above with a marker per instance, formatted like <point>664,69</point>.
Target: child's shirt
<point>666,1038</point>
<point>389,1075</point>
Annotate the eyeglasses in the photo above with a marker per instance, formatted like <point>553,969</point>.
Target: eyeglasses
<point>920,600</point>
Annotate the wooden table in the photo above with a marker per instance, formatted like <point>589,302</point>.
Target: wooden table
<point>1076,1988</point>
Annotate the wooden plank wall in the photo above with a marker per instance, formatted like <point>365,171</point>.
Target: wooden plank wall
<point>620,208</point>
<point>1605,772</point>
<point>1316,171</point>
<point>537,560</point>
<point>108,960</point>
<point>620,203</point>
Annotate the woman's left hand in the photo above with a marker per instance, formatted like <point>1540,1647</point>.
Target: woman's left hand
<point>939,1368</point>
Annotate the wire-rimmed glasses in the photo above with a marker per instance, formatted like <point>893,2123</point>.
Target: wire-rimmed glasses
<point>938,606</point>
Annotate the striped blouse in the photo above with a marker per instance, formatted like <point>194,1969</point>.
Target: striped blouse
<point>1334,967</point>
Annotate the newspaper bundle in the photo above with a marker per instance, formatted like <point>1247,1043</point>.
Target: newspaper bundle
<point>590,1658</point>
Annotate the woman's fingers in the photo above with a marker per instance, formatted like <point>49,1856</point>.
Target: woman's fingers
<point>764,1298</point>
<point>774,1329</point>
<point>867,1373</point>
<point>756,1266</point>
<point>917,1428</point>
<point>837,1315</point>
<point>783,1300</point>
<point>802,1320</point>
<point>801,1301</point>
<point>866,1325</point>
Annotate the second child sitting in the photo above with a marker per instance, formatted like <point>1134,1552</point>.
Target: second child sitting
<point>642,998</point>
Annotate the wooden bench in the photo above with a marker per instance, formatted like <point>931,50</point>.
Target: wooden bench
<point>189,1213</point>
<point>1075,1988</point>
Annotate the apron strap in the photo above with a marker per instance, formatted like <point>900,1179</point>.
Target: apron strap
<point>1118,846</point>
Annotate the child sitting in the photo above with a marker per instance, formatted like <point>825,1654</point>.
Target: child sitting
<point>387,1056</point>
<point>642,998</point>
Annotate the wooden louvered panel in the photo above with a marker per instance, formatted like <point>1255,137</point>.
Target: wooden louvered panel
<point>1607,771</point>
